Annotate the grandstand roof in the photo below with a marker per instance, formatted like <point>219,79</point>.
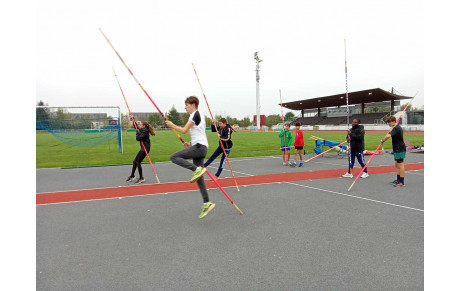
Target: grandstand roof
<point>358,97</point>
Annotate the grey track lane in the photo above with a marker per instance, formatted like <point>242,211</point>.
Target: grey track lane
<point>57,179</point>
<point>290,238</point>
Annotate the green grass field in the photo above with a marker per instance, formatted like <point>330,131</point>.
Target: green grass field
<point>52,153</point>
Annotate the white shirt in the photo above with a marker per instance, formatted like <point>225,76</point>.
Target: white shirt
<point>198,130</point>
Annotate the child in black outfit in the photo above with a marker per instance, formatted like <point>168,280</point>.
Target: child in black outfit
<point>225,134</point>
<point>142,135</point>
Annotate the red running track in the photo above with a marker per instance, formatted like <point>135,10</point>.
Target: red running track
<point>126,191</point>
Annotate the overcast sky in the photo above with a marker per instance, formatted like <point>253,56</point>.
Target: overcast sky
<point>301,43</point>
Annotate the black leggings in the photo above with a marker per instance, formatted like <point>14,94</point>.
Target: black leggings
<point>137,163</point>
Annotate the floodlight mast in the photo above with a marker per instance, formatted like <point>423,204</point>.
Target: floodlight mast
<point>258,60</point>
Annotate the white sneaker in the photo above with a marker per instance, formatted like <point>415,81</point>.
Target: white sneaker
<point>347,175</point>
<point>364,175</point>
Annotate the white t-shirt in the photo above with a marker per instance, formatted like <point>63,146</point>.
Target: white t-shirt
<point>198,130</point>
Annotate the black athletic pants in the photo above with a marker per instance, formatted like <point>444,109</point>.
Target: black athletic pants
<point>138,161</point>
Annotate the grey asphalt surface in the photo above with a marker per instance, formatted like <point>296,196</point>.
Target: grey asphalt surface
<point>304,235</point>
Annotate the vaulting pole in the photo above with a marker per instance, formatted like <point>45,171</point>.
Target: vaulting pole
<point>381,143</point>
<point>214,123</point>
<point>151,100</point>
<point>135,126</point>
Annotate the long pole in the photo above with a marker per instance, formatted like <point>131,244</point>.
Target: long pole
<point>381,143</point>
<point>346,85</point>
<point>348,108</point>
<point>214,123</point>
<point>319,155</point>
<point>151,100</point>
<point>223,191</point>
<point>284,135</point>
<point>135,125</point>
<point>161,113</point>
<point>258,60</point>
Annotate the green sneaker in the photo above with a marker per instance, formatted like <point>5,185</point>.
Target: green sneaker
<point>206,208</point>
<point>197,174</point>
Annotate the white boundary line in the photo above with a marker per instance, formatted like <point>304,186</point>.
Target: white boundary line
<point>249,159</point>
<point>212,167</point>
<point>120,186</point>
<point>348,195</point>
<point>410,172</point>
<point>142,195</point>
<point>330,164</point>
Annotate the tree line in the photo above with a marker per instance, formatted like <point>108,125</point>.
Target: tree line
<point>181,118</point>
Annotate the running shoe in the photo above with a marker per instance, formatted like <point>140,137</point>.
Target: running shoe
<point>197,174</point>
<point>347,175</point>
<point>394,182</point>
<point>301,164</point>
<point>365,175</point>
<point>206,208</point>
<point>293,165</point>
<point>398,185</point>
<point>140,180</point>
<point>130,178</point>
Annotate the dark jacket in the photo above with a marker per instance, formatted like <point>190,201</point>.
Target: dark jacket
<point>225,133</point>
<point>397,139</point>
<point>357,138</point>
<point>143,135</point>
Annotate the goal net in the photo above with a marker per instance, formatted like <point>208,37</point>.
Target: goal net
<point>81,126</point>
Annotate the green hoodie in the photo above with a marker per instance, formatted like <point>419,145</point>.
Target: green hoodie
<point>288,138</point>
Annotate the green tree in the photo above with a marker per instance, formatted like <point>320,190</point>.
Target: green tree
<point>208,121</point>
<point>272,120</point>
<point>184,117</point>
<point>41,113</point>
<point>155,119</point>
<point>174,116</point>
<point>289,117</point>
<point>245,122</point>
<point>231,120</point>
<point>126,121</point>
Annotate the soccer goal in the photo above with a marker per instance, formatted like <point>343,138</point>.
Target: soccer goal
<point>81,126</point>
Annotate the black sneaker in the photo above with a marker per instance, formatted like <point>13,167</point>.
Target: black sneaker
<point>394,182</point>
<point>130,178</point>
<point>140,180</point>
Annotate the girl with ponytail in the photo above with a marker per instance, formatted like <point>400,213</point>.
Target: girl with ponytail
<point>142,136</point>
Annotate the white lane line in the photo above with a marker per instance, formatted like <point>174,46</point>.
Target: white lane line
<point>348,195</point>
<point>249,159</point>
<point>142,195</point>
<point>346,164</point>
<point>230,171</point>
<point>408,172</point>
<point>411,172</point>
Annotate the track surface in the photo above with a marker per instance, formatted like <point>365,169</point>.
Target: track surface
<point>295,234</point>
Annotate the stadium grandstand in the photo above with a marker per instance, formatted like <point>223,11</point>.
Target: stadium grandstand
<point>371,106</point>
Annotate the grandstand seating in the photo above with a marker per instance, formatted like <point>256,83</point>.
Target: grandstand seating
<point>309,120</point>
<point>368,118</point>
<point>333,120</point>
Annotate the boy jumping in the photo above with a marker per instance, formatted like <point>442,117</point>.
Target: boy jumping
<point>196,150</point>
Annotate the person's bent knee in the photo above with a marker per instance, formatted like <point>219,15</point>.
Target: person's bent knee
<point>173,158</point>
